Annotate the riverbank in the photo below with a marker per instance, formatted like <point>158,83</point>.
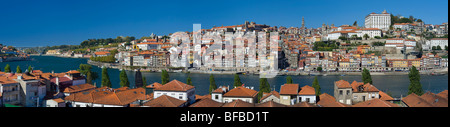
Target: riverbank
<point>62,56</point>
<point>304,73</point>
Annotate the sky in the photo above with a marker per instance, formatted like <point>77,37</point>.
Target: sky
<point>64,22</point>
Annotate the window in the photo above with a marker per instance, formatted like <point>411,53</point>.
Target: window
<point>340,92</point>
<point>348,92</point>
<point>355,97</point>
<point>307,99</point>
<point>216,97</point>
<point>180,97</point>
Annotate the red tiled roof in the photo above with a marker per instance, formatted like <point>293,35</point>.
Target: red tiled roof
<point>433,99</point>
<point>206,102</point>
<point>307,90</point>
<point>412,100</point>
<point>384,96</point>
<point>165,101</point>
<point>238,103</point>
<point>241,92</point>
<point>274,93</point>
<point>175,85</point>
<point>289,89</point>
<point>375,103</point>
<point>303,104</point>
<point>78,88</point>
<point>154,85</point>
<point>326,100</point>
<point>342,84</point>
<point>270,104</point>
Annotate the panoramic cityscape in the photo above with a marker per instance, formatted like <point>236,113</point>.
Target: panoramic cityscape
<point>377,59</point>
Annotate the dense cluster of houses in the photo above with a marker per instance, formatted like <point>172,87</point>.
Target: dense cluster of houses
<point>69,89</point>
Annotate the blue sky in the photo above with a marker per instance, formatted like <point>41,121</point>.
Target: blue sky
<point>58,22</point>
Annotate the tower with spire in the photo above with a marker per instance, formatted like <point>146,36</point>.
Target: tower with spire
<point>303,22</point>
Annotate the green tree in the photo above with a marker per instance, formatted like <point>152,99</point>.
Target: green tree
<point>237,81</point>
<point>105,78</point>
<point>414,78</point>
<point>366,77</point>
<point>85,69</point>
<point>264,87</point>
<point>189,80</point>
<point>212,84</point>
<point>18,69</point>
<point>30,69</point>
<point>289,80</point>
<point>164,77</point>
<point>144,80</point>
<point>7,68</point>
<point>366,36</point>
<point>316,86</point>
<point>438,48</point>
<point>124,79</point>
<point>319,69</point>
<point>138,79</point>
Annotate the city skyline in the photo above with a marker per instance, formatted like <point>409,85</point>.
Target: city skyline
<point>69,23</point>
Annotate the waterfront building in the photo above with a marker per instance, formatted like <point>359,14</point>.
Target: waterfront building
<point>101,53</point>
<point>381,21</point>
<point>288,94</point>
<point>241,93</point>
<point>176,89</point>
<point>272,96</point>
<point>9,91</point>
<point>58,102</point>
<point>343,92</point>
<point>307,94</point>
<point>217,95</point>
<point>363,92</point>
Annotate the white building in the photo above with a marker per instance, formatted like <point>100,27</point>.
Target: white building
<point>381,21</point>
<point>442,42</point>
<point>400,43</point>
<point>307,94</point>
<point>241,93</point>
<point>55,103</point>
<point>371,32</point>
<point>176,89</point>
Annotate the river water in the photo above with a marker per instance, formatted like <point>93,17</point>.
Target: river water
<point>397,85</point>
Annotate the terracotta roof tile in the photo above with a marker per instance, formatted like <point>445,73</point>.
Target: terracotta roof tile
<point>375,103</point>
<point>274,93</point>
<point>175,85</point>
<point>270,104</point>
<point>154,85</point>
<point>342,84</point>
<point>206,102</point>
<point>78,88</point>
<point>165,101</point>
<point>307,90</point>
<point>241,92</point>
<point>384,96</point>
<point>303,104</point>
<point>326,100</point>
<point>238,103</point>
<point>443,94</point>
<point>289,89</point>
<point>433,99</point>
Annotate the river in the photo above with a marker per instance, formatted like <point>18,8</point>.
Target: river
<point>397,85</point>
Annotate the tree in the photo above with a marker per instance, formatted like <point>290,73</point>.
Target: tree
<point>264,87</point>
<point>316,86</point>
<point>438,47</point>
<point>414,78</point>
<point>189,80</point>
<point>355,23</point>
<point>124,79</point>
<point>144,80</point>
<point>18,70</point>
<point>433,48</point>
<point>366,36</point>
<point>138,79</point>
<point>319,69</point>
<point>366,78</point>
<point>446,48</point>
<point>7,68</point>
<point>289,80</point>
<point>105,78</point>
<point>212,84</point>
<point>164,77</point>
<point>85,69</point>
<point>30,69</point>
<point>237,81</point>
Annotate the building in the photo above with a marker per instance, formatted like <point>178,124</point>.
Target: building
<point>32,91</point>
<point>442,42</point>
<point>176,89</point>
<point>343,92</point>
<point>375,103</point>
<point>326,100</point>
<point>241,93</point>
<point>9,91</point>
<point>107,97</point>
<point>381,21</point>
<point>78,88</point>
<point>272,96</point>
<point>363,92</point>
<point>288,94</point>
<point>58,102</point>
<point>426,100</point>
<point>217,95</point>
<point>102,54</point>
<point>165,101</point>
<point>307,94</point>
